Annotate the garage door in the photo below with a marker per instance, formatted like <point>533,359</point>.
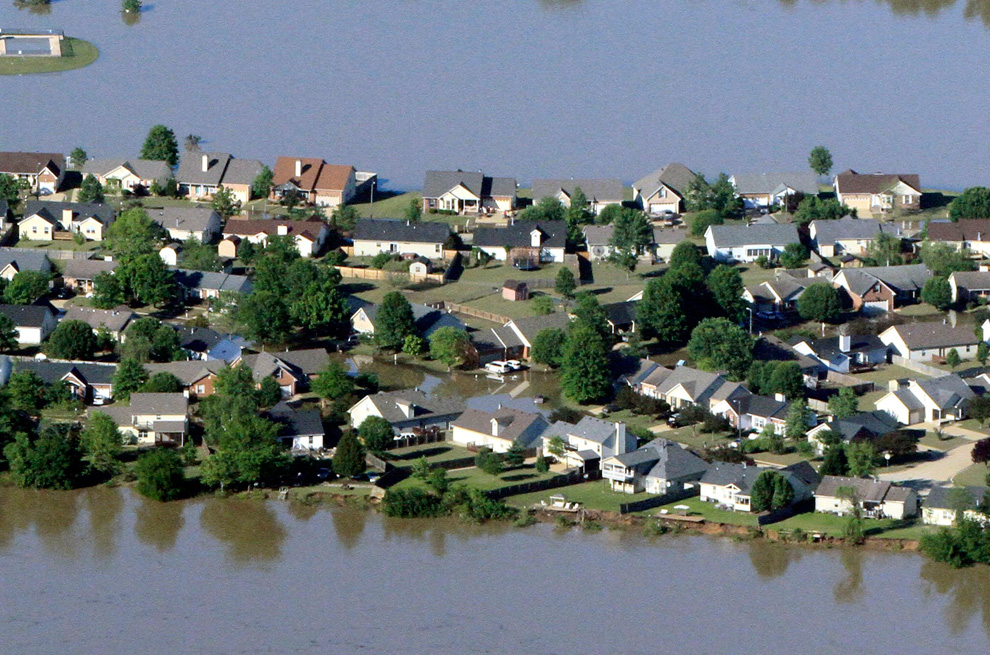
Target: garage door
<point>875,307</point>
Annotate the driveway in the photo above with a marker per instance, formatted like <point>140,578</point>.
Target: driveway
<point>938,470</point>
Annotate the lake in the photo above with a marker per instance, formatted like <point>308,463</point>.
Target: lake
<point>105,571</point>
<point>525,87</point>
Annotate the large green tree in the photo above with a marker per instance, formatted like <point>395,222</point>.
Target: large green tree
<point>90,190</point>
<point>71,340</point>
<point>942,259</point>
<point>565,284</point>
<point>937,292</point>
<point>226,203</point>
<point>394,321</point>
<point>49,461</point>
<point>376,433</point>
<point>333,382</point>
<point>160,475</point>
<point>129,377</point>
<point>819,302</point>
<point>844,404</point>
<point>264,316</point>
<point>726,286</point>
<point>813,208</point>
<point>348,460</point>
<point>148,280</point>
<point>133,234</point>
<point>161,145</point>
<point>718,344</point>
<point>974,202</point>
<point>450,346</point>
<point>548,347</point>
<point>820,160</point>
<point>261,187</point>
<point>322,307</point>
<point>631,231</point>
<point>102,443</point>
<point>8,334</point>
<point>771,491</point>
<point>586,375</point>
<point>26,287</point>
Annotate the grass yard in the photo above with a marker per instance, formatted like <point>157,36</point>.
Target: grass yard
<point>786,459</point>
<point>478,479</point>
<point>832,525</point>
<point>932,441</point>
<point>434,452</point>
<point>68,244</point>
<point>974,475</point>
<point>76,53</point>
<point>591,495</point>
<point>693,437</point>
<point>711,513</point>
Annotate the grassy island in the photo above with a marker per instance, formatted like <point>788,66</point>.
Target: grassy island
<point>76,53</point>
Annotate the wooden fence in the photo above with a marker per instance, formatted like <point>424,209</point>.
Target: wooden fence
<point>918,367</point>
<point>576,476</point>
<point>53,253</point>
<point>456,308</point>
<point>377,274</point>
<point>657,501</point>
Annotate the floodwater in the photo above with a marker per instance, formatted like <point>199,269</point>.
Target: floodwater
<point>529,88</point>
<point>105,571</point>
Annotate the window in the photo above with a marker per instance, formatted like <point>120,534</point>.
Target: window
<point>200,388</point>
<point>436,248</point>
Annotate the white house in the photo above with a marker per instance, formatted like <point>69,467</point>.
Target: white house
<point>299,429</point>
<point>763,190</point>
<point>184,223</point>
<point>943,503</point>
<point>924,341</point>
<point>846,236</point>
<point>747,243</point>
<point>526,242</point>
<point>877,498</point>
<point>309,236</point>
<point>937,400</point>
<point>153,418</point>
<point>424,238</point>
<point>406,409</point>
<point>498,430</point>
<point>600,192</point>
<point>588,443</point>
<point>33,322</point>
<point>659,467</point>
<point>731,485</point>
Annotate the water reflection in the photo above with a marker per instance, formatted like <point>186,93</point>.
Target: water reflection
<point>850,588</point>
<point>968,591</point>
<point>250,529</point>
<point>348,525</point>
<point>972,10</point>
<point>104,507</point>
<point>130,17</point>
<point>158,524</point>
<point>36,8</point>
<point>771,560</point>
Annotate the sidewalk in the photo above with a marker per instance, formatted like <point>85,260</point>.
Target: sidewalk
<point>939,470</point>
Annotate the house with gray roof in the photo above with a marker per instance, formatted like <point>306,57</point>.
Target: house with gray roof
<point>780,294</point>
<point>298,429</point>
<point>43,171</point>
<point>197,376</point>
<point>33,323</point>
<point>844,353</point>
<point>468,192</point>
<point>15,260</point>
<point>206,285</point>
<point>747,243</point>
<point>43,220</point>
<point>682,386</point>
<point>588,443</point>
<point>659,467</point>
<point>942,505</point>
<point>152,418</point>
<point>516,337</point>
<point>731,485</point>
<point>764,190</point>
<point>407,409</point>
<point>427,319</point>
<point>200,174</point>
<point>135,176</point>
<point>861,426</point>
<point>524,243</point>
<point>752,413</point>
<point>90,382</point>
<point>874,289</point>
<point>114,321</point>
<point>600,192</point>
<point>663,190</point>
<point>206,344</point>
<point>498,430</point>
<point>926,340</point>
<point>969,286</point>
<point>292,369</point>
<point>938,400</point>
<point>184,223</point>
<point>400,237</point>
<point>877,498</point>
<point>846,236</point>
<point>80,274</point>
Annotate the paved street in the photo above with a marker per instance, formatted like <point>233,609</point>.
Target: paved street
<point>939,470</point>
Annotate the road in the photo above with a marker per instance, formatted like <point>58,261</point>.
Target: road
<point>939,470</point>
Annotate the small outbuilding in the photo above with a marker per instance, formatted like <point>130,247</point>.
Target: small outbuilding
<point>515,290</point>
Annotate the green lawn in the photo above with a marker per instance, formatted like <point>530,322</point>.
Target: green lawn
<point>832,525</point>
<point>68,244</point>
<point>434,452</point>
<point>932,441</point>
<point>394,207</point>
<point>974,475</point>
<point>478,479</point>
<point>699,507</point>
<point>592,495</point>
<point>76,53</point>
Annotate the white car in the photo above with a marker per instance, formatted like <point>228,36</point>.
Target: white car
<point>498,366</point>
<point>516,365</point>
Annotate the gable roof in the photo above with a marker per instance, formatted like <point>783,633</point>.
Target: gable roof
<point>588,428</point>
<point>595,189</point>
<point>940,497</point>
<point>440,182</point>
<point>86,269</point>
<point>971,280</point>
<point>190,219</point>
<point>853,182</point>
<point>846,228</point>
<point>194,280</point>
<point>31,316</point>
<point>388,229</point>
<point>514,423</point>
<point>828,348</point>
<point>309,229</point>
<point>427,319</point>
<point>31,163</point>
<point>864,424</point>
<point>731,236</point>
<point>294,422</point>
<point>114,320</point>
<point>530,326</point>
<point>722,474</point>
<point>773,183</point>
<point>665,460</point>
<point>146,169</point>
<point>51,372</point>
<point>242,171</point>
<point>934,334</point>
<point>310,361</point>
<point>866,489</point>
<point>900,278</point>
<point>947,391</point>
<point>518,235</point>
<point>965,229</point>
<point>188,371</point>
<point>24,260</point>
<point>423,406</point>
<point>674,176</point>
<point>316,174</point>
<point>158,403</point>
<point>198,339</point>
<point>191,168</point>
<point>598,235</point>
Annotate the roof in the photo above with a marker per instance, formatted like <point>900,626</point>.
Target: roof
<point>31,163</point>
<point>146,169</point>
<point>853,182</point>
<point>25,260</point>
<point>731,236</point>
<point>722,474</point>
<point>770,348</point>
<point>427,319</point>
<point>316,174</point>
<point>86,269</point>
<point>368,229</point>
<point>333,177</point>
<point>940,497</point>
<point>846,228</point>
<point>53,371</point>
<point>866,489</point>
<point>947,391</point>
<point>191,169</point>
<point>115,320</point>
<point>198,339</point>
<point>498,187</point>
<point>934,334</point>
<point>26,315</point>
<point>669,236</point>
<point>423,406</point>
<point>310,360</point>
<point>242,171</point>
<point>530,326</point>
<point>515,285</point>
<point>507,337</point>
<point>440,182</point>
<point>774,183</point>
<point>908,399</point>
<point>804,472</point>
<point>674,176</point>
<point>828,349</point>
<point>971,280</point>
<point>80,210</point>
<point>702,386</point>
<point>621,313</point>
<point>270,227</point>
<point>762,406</point>
<point>189,371</point>
<point>665,460</point>
<point>518,235</point>
<point>598,235</point>
<point>190,219</point>
<point>965,229</point>
<point>595,189</point>
<point>296,422</point>
<point>874,424</point>
<point>901,278</point>
<point>158,403</point>
<point>512,421</point>
<point>209,280</point>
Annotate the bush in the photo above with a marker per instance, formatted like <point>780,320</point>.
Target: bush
<point>488,462</point>
<point>160,475</point>
<point>412,503</point>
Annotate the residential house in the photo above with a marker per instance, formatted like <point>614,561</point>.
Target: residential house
<point>135,176</point>
<point>683,386</point>
<point>152,418</point>
<point>292,369</point>
<point>877,498</point>
<point>769,348</point>
<point>407,409</point>
<point>600,192</point>
<point>970,233</point>
<point>515,290</point>
<point>780,294</point>
<point>526,244</point>
<point>498,430</point>
<point>943,504</point>
<point>240,176</point>
<point>466,192</point>
<point>209,345</point>
<point>844,353</point>
<point>314,181</point>
<point>199,174</point>
<point>184,223</point>
<point>90,382</point>
<point>299,429</point>
<point>516,337</point>
<point>969,286</point>
<point>938,400</point>
<point>47,221</point>
<point>765,190</point>
<point>663,190</point>
<point>665,240</point>
<point>206,285</point>
<point>33,323</point>
<point>846,236</point>
<point>934,339</point>
<point>43,171</point>
<point>114,321</point>
<point>752,413</point>
<point>861,426</point>
<point>424,238</point>
<point>747,243</point>
<point>599,241</point>
<point>427,319</point>
<point>197,377</point>
<point>731,485</point>
<point>621,316</point>
<point>15,260</point>
<point>659,467</point>
<point>80,274</point>
<point>309,235</point>
<point>589,443</point>
<point>877,194</point>
<point>873,289</point>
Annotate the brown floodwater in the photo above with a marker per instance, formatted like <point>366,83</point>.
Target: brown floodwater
<point>105,571</point>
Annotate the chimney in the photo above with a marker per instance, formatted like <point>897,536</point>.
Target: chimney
<point>893,385</point>
<point>496,427</point>
<point>535,239</point>
<point>282,230</point>
<point>620,438</point>
<point>780,398</point>
<point>206,163</point>
<point>845,342</point>
<point>298,168</point>
<point>66,218</point>
<point>953,317</point>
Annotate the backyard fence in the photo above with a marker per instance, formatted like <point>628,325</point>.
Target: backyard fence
<point>918,367</point>
<point>377,274</point>
<point>576,476</point>
<point>657,501</point>
<point>53,253</point>
<point>456,308</point>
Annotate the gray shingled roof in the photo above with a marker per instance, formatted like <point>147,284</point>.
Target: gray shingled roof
<point>51,372</point>
<point>867,490</point>
<point>868,424</point>
<point>513,421</point>
<point>32,316</point>
<point>901,278</point>
<point>731,236</point>
<point>242,171</point>
<point>378,229</point>
<point>530,326</point>
<point>86,269</point>
<point>114,320</point>
<point>80,210</point>
<point>517,235</point>
<point>771,183</point>
<point>296,422</point>
<point>192,219</point>
<point>971,280</point>
<point>596,189</point>
<point>846,228</point>
<point>935,334</point>
<point>210,280</point>
<point>666,460</point>
<point>187,371</point>
<point>146,169</point>
<point>829,348</point>
<point>424,406</point>
<point>191,168</point>
<point>725,473</point>
<point>940,496</point>
<point>598,235</point>
<point>674,175</point>
<point>440,182</point>
<point>25,260</point>
<point>158,403</point>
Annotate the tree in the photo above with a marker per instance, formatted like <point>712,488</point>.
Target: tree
<point>268,393</point>
<point>937,292</point>
<point>161,145</point>
<point>333,382</point>
<point>684,254</point>
<point>395,321</point>
<point>130,377</point>
<point>322,307</point>
<point>26,287</point>
<point>542,305</point>
<point>586,374</point>
<point>261,187</point>
<point>133,234</point>
<point>264,317</point>
<point>348,460</point>
<point>148,280</point>
<point>376,433</point>
<point>794,255</point>
<point>844,404</point>
<point>488,462</point>
<point>787,378</point>
<point>820,302</point>
<point>578,212</point>
<point>898,443</point>
<point>565,284</point>
<point>26,391</point>
<point>548,347</point>
<point>942,259</point>
<point>11,188</point>
<point>191,141</point>
<point>226,203</point>
<point>703,220</point>
<point>981,452</point>
<point>107,291</point>
<point>8,334</point>
<point>884,250</point>
<point>344,217</point>
<point>516,455</point>
<point>134,7</point>
<point>71,340</point>
<point>771,491</point>
<point>91,190</point>
<point>718,344</point>
<point>414,345</point>
<point>160,475</point>
<point>450,346</point>
<point>50,461</point>
<point>974,202</point>
<point>631,231</point>
<point>102,443</point>
<point>663,311</point>
<point>726,286</point>
<point>162,382</point>
<point>556,447</point>
<point>78,157</point>
<point>853,530</point>
<point>547,209</point>
<point>798,418</point>
<point>198,256</point>
<point>813,208</point>
<point>219,470</point>
<point>587,311</point>
<point>952,358</point>
<point>820,160</point>
<point>862,459</point>
<point>979,408</point>
<point>982,351</point>
<point>834,461</point>
<point>414,210</point>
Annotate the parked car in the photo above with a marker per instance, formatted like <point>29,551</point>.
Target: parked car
<point>770,316</point>
<point>672,419</point>
<point>498,367</point>
<point>516,365</point>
